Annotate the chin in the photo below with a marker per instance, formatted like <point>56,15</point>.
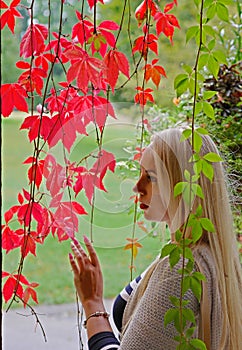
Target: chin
<point>156,218</point>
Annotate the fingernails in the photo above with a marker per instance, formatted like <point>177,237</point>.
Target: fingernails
<point>71,256</point>
<point>73,246</point>
<point>86,240</point>
<point>75,241</point>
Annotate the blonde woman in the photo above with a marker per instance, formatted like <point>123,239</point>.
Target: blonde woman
<point>140,308</point>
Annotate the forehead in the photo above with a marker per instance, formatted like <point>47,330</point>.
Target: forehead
<point>147,159</point>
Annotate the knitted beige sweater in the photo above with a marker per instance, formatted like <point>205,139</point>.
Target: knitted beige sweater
<point>143,319</point>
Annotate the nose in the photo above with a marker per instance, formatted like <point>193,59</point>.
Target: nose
<point>138,187</point>
<point>135,188</point>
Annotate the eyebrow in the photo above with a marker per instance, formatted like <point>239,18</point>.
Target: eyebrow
<point>150,171</point>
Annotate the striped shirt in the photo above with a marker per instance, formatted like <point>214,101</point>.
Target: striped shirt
<point>107,340</point>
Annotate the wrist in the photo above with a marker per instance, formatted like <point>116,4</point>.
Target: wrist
<point>91,306</point>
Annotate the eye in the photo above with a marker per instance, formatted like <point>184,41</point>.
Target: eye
<point>151,178</point>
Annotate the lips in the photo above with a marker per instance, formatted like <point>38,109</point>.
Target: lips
<point>143,206</point>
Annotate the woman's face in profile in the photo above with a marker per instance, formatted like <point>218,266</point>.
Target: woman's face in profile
<point>150,196</point>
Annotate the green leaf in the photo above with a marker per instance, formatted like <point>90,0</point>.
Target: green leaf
<point>170,316</point>
<point>187,68</point>
<point>198,344</point>
<point>211,11</point>
<point>197,142</point>
<point>209,94</point>
<point>212,157</point>
<point>211,44</point>
<point>198,108</point>
<point>191,33</point>
<point>188,314</point>
<point>201,131</point>
<point>175,301</point>
<point>203,60</point>
<point>208,170</point>
<point>179,188</point>
<point>187,195</point>
<point>213,66</point>
<point>197,167</point>
<point>181,84</point>
<point>186,284</point>
<point>222,12</point>
<point>207,3</point>
<point>196,231</point>
<point>207,224</point>
<point>178,235</point>
<point>197,190</point>
<point>196,287</point>
<point>208,110</point>
<point>220,56</point>
<point>226,2</point>
<point>209,30</point>
<point>190,331</point>
<point>174,257</point>
<point>188,254</point>
<point>186,134</point>
<point>187,175</point>
<point>199,210</point>
<point>167,249</point>
<point>199,276</point>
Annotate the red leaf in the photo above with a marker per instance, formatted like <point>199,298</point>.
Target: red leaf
<point>65,221</point>
<point>84,69</point>
<point>145,43</point>
<point>143,96</point>
<point>154,72</point>
<point>26,195</point>
<point>78,208</point>
<point>43,228</point>
<point>20,198</point>
<point>115,61</point>
<point>55,175</point>
<point>9,289</point>
<point>55,201</point>
<point>82,29</point>
<point>37,125</point>
<point>8,17</point>
<point>23,65</point>
<point>93,2</point>
<point>5,274</point>
<point>9,214</point>
<point>29,210</point>
<point>22,279</point>
<point>106,160</point>
<point>168,7</point>
<point>32,79</point>
<point>28,245</point>
<point>29,292</point>
<point>165,24</point>
<point>35,172</point>
<point>142,10</point>
<point>13,95</point>
<point>10,240</point>
<point>111,25</point>
<point>33,40</point>
<point>3,5</point>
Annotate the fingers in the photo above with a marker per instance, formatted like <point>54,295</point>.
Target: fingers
<point>81,255</point>
<point>92,253</point>
<point>73,265</point>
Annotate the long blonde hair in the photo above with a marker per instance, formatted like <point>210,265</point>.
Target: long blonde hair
<point>174,156</point>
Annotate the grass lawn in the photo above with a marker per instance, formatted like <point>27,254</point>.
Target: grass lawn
<point>112,221</point>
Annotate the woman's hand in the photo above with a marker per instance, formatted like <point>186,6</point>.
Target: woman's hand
<point>87,274</point>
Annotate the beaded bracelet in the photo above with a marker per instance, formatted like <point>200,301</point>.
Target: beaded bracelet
<point>96,314</point>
